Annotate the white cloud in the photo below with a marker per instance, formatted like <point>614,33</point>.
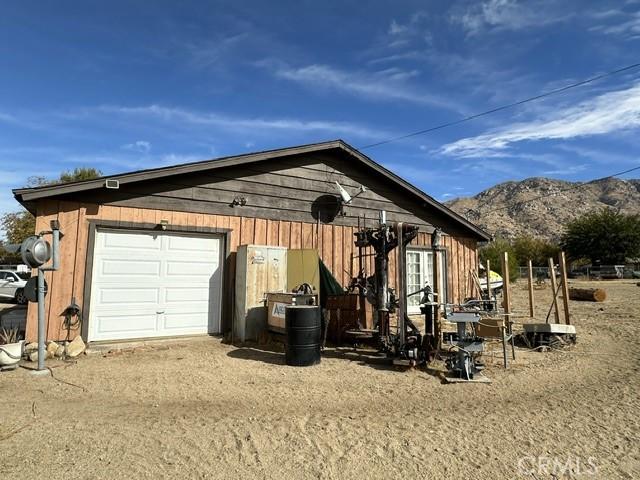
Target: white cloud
<point>243,125</point>
<point>214,52</point>
<point>504,14</point>
<point>569,170</point>
<point>607,113</point>
<point>415,29</point>
<point>626,25</point>
<point>396,28</point>
<point>5,117</point>
<point>386,85</point>
<point>140,146</point>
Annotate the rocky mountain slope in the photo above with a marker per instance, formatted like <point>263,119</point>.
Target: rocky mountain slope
<point>504,210</point>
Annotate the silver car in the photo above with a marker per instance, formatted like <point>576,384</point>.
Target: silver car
<point>12,286</point>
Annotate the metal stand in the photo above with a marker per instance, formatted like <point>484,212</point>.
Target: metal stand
<point>464,364</point>
<point>55,264</point>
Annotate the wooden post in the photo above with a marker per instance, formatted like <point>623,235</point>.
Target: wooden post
<point>532,308</point>
<point>489,292</point>
<point>506,296</point>
<point>506,300</point>
<point>565,287</point>
<point>554,289</point>
<point>438,298</point>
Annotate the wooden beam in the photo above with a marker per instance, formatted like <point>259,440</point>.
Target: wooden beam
<point>565,287</point>
<point>437,329</point>
<point>532,308</point>
<point>489,291</point>
<point>506,301</point>
<point>554,290</point>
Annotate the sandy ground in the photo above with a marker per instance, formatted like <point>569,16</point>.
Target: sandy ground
<point>204,409</point>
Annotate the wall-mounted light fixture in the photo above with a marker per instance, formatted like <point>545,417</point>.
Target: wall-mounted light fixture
<point>239,201</point>
<point>164,224</point>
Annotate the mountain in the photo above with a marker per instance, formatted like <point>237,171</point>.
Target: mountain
<point>541,207</point>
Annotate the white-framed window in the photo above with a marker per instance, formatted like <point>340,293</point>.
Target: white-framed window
<point>419,272</point>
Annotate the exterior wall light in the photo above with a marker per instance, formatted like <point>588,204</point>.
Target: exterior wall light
<point>164,224</point>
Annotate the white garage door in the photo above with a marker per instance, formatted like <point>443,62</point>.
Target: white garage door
<point>154,284</point>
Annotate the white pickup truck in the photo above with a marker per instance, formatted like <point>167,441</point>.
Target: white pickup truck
<point>12,286</point>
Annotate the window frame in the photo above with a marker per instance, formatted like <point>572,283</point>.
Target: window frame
<point>424,253</point>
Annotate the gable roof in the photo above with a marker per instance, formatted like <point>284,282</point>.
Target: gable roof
<point>27,196</point>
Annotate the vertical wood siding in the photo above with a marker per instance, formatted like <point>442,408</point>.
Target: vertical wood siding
<point>335,244</point>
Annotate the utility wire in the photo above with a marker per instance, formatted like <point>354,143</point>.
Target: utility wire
<point>504,107</point>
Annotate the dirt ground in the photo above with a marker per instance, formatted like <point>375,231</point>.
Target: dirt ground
<point>204,409</point>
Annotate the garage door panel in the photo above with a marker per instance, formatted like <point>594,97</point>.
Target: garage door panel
<point>126,323</point>
<point>188,322</point>
<point>191,269</point>
<point>191,244</point>
<point>169,286</point>
<point>131,241</point>
<point>187,294</point>
<point>128,296</point>
<point>129,268</point>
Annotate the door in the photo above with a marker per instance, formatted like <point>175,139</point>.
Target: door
<point>419,272</point>
<point>154,284</point>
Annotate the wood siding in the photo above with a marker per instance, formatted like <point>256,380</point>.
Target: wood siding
<point>290,188</point>
<point>335,244</point>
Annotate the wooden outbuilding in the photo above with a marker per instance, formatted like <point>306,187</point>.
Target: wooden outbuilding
<point>153,254</point>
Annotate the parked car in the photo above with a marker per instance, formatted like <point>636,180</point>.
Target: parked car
<point>12,286</point>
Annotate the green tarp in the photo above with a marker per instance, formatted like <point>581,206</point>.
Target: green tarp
<point>328,284</point>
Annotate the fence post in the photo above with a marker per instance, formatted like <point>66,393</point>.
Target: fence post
<point>531,304</point>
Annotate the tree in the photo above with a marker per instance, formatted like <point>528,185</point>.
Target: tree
<point>535,249</point>
<point>79,174</point>
<point>606,236</point>
<point>19,225</point>
<point>493,252</point>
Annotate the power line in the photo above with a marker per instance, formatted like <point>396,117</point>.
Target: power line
<point>572,187</point>
<point>504,107</point>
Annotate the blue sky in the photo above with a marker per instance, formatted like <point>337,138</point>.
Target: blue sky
<point>129,85</point>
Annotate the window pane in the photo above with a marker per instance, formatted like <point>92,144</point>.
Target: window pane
<point>413,278</point>
<point>420,271</point>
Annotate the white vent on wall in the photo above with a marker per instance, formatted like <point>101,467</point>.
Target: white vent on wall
<point>114,184</point>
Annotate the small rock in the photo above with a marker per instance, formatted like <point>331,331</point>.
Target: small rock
<point>52,348</point>
<point>31,347</point>
<point>33,356</point>
<point>60,351</point>
<point>76,347</point>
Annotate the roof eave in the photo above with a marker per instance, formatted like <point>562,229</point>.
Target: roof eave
<point>27,196</point>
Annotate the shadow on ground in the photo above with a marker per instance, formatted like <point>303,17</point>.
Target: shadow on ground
<point>378,361</point>
<point>275,355</point>
<point>263,354</point>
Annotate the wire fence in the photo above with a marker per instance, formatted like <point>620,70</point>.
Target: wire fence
<point>600,272</point>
